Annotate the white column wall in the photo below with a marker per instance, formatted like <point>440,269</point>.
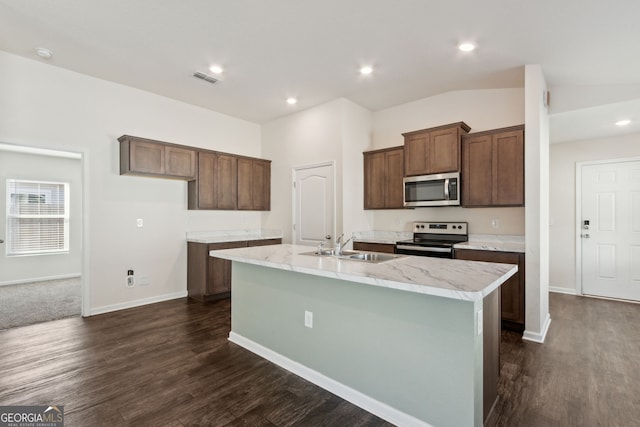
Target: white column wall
<point>536,205</point>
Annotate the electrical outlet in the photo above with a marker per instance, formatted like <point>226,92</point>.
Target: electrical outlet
<point>308,319</point>
<point>139,222</point>
<point>131,281</point>
<point>495,223</point>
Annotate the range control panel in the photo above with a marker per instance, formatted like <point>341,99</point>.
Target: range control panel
<point>440,227</point>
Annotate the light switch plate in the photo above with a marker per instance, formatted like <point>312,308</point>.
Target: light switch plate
<point>139,223</point>
<point>308,319</point>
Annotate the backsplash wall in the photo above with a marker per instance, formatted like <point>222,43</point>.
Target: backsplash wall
<point>510,220</point>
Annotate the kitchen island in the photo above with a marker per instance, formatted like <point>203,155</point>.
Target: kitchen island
<point>413,340</point>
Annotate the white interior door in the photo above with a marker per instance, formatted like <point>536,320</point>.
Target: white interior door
<point>314,204</point>
<point>610,239</point>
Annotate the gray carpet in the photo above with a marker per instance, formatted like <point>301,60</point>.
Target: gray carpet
<point>38,302</point>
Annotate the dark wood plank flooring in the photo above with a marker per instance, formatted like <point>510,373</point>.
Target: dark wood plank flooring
<point>587,373</point>
<point>163,364</point>
<point>171,364</point>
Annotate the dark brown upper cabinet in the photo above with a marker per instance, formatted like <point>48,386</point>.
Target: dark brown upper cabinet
<point>146,157</point>
<point>434,150</point>
<point>493,168</point>
<point>229,182</point>
<point>254,184</point>
<point>383,173</point>
<point>217,183</point>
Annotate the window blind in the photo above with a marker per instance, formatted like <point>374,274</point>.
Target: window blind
<point>37,217</point>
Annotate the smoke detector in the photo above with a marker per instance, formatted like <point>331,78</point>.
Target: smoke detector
<point>44,53</point>
<point>206,77</point>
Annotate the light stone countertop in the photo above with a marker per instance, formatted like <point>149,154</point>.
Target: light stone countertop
<point>449,278</point>
<point>221,236</point>
<point>494,242</point>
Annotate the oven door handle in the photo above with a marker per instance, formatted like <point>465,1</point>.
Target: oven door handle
<point>423,249</point>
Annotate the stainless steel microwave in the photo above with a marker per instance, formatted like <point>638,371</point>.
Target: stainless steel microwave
<point>432,190</point>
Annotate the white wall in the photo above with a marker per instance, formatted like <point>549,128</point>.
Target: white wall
<point>46,106</point>
<point>562,169</point>
<point>536,167</point>
<point>357,122</point>
<point>481,110</point>
<point>21,269</point>
<point>336,131</point>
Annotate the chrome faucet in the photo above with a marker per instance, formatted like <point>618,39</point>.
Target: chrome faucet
<point>338,247</point>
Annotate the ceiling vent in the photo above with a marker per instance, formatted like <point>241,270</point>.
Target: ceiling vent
<point>205,77</point>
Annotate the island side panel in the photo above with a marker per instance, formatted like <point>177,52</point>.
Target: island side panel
<point>416,353</point>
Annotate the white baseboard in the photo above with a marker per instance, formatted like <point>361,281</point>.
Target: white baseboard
<point>359,399</point>
<point>559,290</point>
<point>40,279</point>
<point>538,337</point>
<point>136,303</point>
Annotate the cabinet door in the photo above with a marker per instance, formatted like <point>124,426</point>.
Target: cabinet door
<point>508,168</point>
<point>205,193</point>
<point>394,172</point>
<point>374,247</point>
<point>254,184</point>
<point>477,170</point>
<point>416,153</point>
<point>512,291</point>
<point>226,182</point>
<point>146,157</point>
<point>219,270</point>
<point>444,151</point>
<point>374,180</point>
<point>261,188</point>
<point>264,242</point>
<point>245,183</point>
<point>179,162</point>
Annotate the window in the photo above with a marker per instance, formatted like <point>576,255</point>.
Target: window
<point>37,217</point>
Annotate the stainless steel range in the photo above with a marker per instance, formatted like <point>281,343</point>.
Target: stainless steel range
<point>434,239</point>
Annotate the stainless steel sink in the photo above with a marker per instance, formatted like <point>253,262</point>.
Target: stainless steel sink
<point>330,252</point>
<point>372,257</point>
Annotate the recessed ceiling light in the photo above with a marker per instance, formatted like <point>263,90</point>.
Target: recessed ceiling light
<point>292,101</point>
<point>366,70</point>
<point>623,122</point>
<point>43,52</point>
<point>216,69</point>
<point>466,47</point>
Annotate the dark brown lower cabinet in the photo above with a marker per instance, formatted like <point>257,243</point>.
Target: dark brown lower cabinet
<point>374,247</point>
<point>209,278</point>
<point>512,298</point>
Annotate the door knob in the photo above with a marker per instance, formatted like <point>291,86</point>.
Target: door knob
<point>328,237</point>
<point>585,236</point>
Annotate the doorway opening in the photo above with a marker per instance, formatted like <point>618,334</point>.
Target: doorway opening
<point>42,230</point>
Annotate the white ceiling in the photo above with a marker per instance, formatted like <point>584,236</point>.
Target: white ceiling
<point>313,49</point>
